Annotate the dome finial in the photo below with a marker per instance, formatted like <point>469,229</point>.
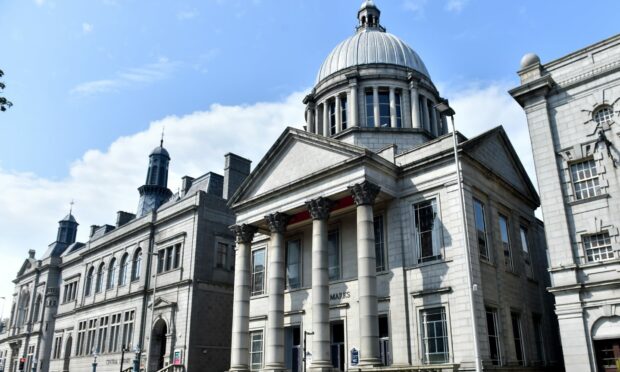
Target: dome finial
<point>71,206</point>
<point>368,16</point>
<point>161,142</point>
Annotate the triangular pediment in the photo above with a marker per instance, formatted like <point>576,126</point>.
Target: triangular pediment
<point>161,303</point>
<point>296,155</point>
<point>26,266</point>
<point>494,151</point>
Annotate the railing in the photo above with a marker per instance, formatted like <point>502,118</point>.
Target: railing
<point>173,368</point>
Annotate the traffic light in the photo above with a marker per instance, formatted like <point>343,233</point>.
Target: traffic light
<point>21,363</point>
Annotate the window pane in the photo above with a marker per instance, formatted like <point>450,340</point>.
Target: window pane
<point>426,229</point>
<point>333,252</point>
<point>258,270</point>
<point>598,247</point>
<point>504,233</point>
<point>332,117</point>
<point>293,263</point>
<point>370,111</point>
<point>384,109</point>
<point>518,339</point>
<point>379,244</point>
<point>585,179</point>
<point>481,229</point>
<point>492,327</point>
<point>343,112</point>
<point>434,335</point>
<point>399,119</point>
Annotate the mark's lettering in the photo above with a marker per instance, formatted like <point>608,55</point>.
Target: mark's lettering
<point>339,296</point>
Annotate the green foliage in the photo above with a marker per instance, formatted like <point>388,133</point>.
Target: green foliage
<point>4,103</point>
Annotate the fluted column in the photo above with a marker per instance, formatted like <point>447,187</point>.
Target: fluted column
<point>338,115</point>
<point>353,122</point>
<point>274,353</point>
<point>375,106</point>
<point>240,343</point>
<point>326,132</point>
<point>392,107</point>
<point>310,119</point>
<point>319,210</point>
<point>364,195</point>
<point>415,108</point>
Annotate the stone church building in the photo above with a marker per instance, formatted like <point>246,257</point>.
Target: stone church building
<point>362,244</point>
<point>155,287</point>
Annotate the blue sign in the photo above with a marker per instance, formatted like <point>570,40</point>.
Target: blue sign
<point>355,357</point>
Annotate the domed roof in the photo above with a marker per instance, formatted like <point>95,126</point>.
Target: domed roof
<point>371,45</point>
<point>529,59</point>
<point>159,150</point>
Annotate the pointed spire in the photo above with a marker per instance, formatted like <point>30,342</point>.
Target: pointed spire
<point>71,206</point>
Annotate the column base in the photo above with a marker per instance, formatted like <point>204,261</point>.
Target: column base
<point>239,369</point>
<point>370,363</point>
<point>275,368</point>
<point>322,369</point>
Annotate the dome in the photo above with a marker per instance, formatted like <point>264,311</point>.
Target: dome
<point>529,59</point>
<point>371,45</point>
<point>160,150</point>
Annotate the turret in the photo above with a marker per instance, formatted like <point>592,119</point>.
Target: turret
<point>67,230</point>
<point>155,191</point>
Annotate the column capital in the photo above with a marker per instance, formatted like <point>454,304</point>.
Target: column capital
<point>319,208</point>
<point>244,233</point>
<point>277,222</point>
<point>364,193</point>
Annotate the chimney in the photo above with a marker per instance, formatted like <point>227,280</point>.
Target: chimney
<point>93,228</point>
<point>186,184</point>
<point>31,253</point>
<point>123,217</point>
<point>236,169</point>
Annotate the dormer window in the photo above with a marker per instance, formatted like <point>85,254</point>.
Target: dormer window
<point>603,115</point>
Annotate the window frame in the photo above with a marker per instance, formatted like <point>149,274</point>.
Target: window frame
<point>299,263</point>
<point>524,237</point>
<point>605,119</point>
<point>123,268</point>
<point>344,106</point>
<point>252,352</point>
<point>136,265</point>
<point>99,281</point>
<point>486,256</point>
<point>423,331</point>
<point>398,97</point>
<point>384,93</point>
<point>111,277</point>
<point>169,257</point>
<point>437,252</point>
<point>370,108</point>
<point>592,191</point>
<point>253,273</point>
<point>380,245</point>
<point>518,339</point>
<point>330,231</point>
<point>493,311</point>
<point>506,245</point>
<point>609,251</point>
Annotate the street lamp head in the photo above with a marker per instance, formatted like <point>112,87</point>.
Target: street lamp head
<point>444,108</point>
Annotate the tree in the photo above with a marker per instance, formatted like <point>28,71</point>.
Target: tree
<point>4,103</point>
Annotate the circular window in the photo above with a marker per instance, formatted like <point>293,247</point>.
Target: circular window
<point>603,115</point>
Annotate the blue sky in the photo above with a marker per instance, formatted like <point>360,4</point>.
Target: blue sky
<point>93,83</point>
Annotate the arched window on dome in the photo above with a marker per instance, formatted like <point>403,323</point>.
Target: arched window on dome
<point>343,111</point>
<point>370,109</point>
<point>384,109</point>
<point>136,266</point>
<point>331,105</point>
<point>89,281</point>
<point>363,20</point>
<point>122,275</point>
<point>603,115</point>
<point>111,274</point>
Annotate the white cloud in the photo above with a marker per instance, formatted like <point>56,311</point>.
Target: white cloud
<point>146,74</point>
<point>416,6</point>
<point>456,6</point>
<point>87,27</point>
<point>103,182</point>
<point>187,14</point>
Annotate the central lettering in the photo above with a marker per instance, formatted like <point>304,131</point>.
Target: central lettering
<point>339,296</point>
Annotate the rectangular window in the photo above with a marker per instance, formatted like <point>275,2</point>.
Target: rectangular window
<point>538,338</point>
<point>384,109</point>
<point>161,258</point>
<point>258,272</point>
<point>221,255</point>
<point>168,258</point>
<point>169,255</point>
<point>504,230</point>
<point>332,117</point>
<point>481,229</point>
<point>379,244</point>
<point>384,340</point>
<point>103,334</point>
<point>343,112</point>
<point>527,262</point>
<point>128,329</point>
<point>518,337</point>
<point>492,331</point>
<point>293,263</point>
<point>427,230</point>
<point>598,247</point>
<point>434,336</point>
<point>115,326</point>
<point>399,116</point>
<point>57,347</point>
<point>370,109</point>
<point>70,292</point>
<point>256,350</point>
<point>80,349</point>
<point>333,254</point>
<point>177,256</point>
<point>90,336</point>
<point>585,179</point>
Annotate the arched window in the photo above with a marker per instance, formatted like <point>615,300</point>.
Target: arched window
<point>111,274</point>
<point>603,115</point>
<point>122,275</point>
<point>22,310</point>
<point>37,309</point>
<point>99,285</point>
<point>89,281</point>
<point>136,266</point>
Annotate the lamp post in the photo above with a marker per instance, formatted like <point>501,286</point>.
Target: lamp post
<point>123,350</point>
<point>95,361</point>
<point>136,361</point>
<point>150,324</point>
<point>306,333</point>
<point>445,110</point>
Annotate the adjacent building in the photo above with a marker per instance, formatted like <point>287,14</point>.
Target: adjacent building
<point>572,112</point>
<point>362,244</point>
<point>154,287</point>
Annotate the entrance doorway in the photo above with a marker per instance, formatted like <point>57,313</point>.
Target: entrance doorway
<point>67,360</point>
<point>157,351</point>
<point>337,345</point>
<point>607,355</point>
<point>292,345</point>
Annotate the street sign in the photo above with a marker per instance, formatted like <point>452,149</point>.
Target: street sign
<point>355,357</point>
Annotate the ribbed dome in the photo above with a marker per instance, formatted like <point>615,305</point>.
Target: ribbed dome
<point>160,150</point>
<point>369,46</point>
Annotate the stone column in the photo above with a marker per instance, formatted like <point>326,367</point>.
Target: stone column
<point>415,108</point>
<point>427,115</point>
<point>338,115</point>
<point>319,210</point>
<point>364,195</point>
<point>310,119</point>
<point>392,107</point>
<point>375,106</point>
<point>274,352</point>
<point>352,120</point>
<point>434,120</point>
<point>405,100</point>
<point>326,119</point>
<point>317,122</point>
<point>240,343</point>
